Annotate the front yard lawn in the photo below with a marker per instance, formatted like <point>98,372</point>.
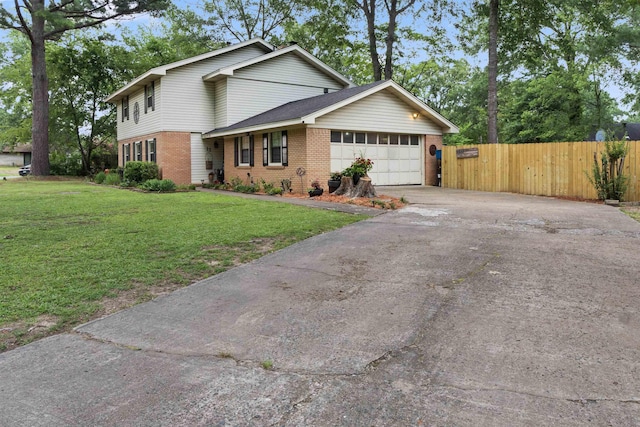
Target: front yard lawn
<point>72,251</point>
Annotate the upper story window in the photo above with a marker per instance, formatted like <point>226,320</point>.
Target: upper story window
<point>243,151</point>
<point>151,150</point>
<point>149,97</point>
<point>125,108</point>
<point>274,149</point>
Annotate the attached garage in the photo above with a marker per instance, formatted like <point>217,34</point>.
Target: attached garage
<point>380,121</point>
<point>397,158</point>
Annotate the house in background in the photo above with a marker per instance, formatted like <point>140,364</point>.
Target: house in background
<point>19,155</point>
<point>629,131</point>
<point>258,112</point>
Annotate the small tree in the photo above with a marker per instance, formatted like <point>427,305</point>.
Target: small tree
<point>606,175</point>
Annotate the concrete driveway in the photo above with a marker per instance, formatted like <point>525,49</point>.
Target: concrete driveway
<point>464,308</point>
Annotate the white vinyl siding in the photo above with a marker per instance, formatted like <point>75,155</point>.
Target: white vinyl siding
<point>380,112</point>
<point>289,69</point>
<point>221,104</point>
<point>250,97</point>
<point>148,123</point>
<point>189,102</point>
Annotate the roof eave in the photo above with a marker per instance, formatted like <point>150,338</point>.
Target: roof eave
<point>160,71</point>
<point>254,128</point>
<point>136,84</point>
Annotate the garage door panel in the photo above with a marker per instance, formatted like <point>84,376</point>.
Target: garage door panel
<point>393,164</point>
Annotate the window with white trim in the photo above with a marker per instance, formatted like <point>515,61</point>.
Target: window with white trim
<point>149,97</point>
<point>150,150</point>
<point>274,149</point>
<point>243,151</point>
<point>125,108</point>
<point>126,153</point>
<point>137,151</point>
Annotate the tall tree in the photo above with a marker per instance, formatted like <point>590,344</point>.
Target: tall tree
<point>246,19</point>
<point>393,8</point>
<point>84,70</point>
<point>492,104</point>
<point>43,20</point>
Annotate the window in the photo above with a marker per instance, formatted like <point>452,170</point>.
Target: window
<point>243,151</point>
<point>360,138</point>
<point>149,97</point>
<point>274,149</point>
<point>137,151</point>
<point>126,153</point>
<point>125,108</point>
<point>347,138</point>
<point>372,138</point>
<point>384,139</point>
<point>150,150</point>
<point>415,140</point>
<point>404,139</point>
<point>336,136</point>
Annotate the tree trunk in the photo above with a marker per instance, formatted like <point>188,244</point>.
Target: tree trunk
<point>40,100</point>
<point>364,188</point>
<point>391,38</point>
<point>492,107</point>
<point>346,185</point>
<point>370,13</point>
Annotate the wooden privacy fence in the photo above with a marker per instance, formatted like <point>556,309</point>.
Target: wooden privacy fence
<point>547,169</point>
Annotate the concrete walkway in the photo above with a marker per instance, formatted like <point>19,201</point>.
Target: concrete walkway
<point>462,309</point>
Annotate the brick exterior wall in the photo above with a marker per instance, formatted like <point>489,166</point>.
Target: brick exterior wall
<point>307,148</point>
<point>173,154</point>
<point>430,162</point>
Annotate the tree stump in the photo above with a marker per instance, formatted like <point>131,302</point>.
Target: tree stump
<point>364,188</point>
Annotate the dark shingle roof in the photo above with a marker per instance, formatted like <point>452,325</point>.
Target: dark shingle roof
<point>618,130</point>
<point>296,109</point>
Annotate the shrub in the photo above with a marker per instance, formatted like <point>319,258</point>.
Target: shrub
<point>273,191</point>
<point>138,172</point>
<point>66,165</point>
<point>112,179</point>
<point>159,185</point>
<point>246,188</point>
<point>100,177</point>
<point>609,180</point>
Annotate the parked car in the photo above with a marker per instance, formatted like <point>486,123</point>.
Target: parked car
<point>25,170</point>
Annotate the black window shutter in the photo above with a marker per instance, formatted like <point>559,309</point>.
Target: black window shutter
<point>235,151</point>
<point>265,149</point>
<point>153,96</point>
<point>123,158</point>
<point>146,150</point>
<point>145,98</point>
<point>123,109</point>
<point>285,149</point>
<point>251,147</point>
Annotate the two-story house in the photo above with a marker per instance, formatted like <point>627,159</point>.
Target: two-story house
<point>258,112</point>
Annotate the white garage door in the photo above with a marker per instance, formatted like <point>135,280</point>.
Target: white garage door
<point>397,158</point>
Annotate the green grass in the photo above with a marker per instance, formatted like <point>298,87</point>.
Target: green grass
<point>8,171</point>
<point>67,245</point>
<point>633,213</point>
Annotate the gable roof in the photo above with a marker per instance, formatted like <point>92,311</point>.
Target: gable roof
<point>293,49</point>
<point>157,72</point>
<point>306,111</point>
